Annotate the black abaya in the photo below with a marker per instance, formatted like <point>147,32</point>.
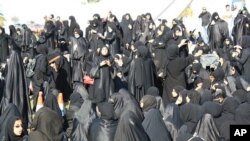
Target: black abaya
<point>47,126</point>
<point>16,89</point>
<point>154,126</point>
<point>191,114</point>
<point>175,70</point>
<point>4,49</point>
<point>10,111</point>
<point>104,127</point>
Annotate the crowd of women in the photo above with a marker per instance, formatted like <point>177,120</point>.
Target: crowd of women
<point>128,80</point>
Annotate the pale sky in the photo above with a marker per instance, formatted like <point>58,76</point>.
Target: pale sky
<point>27,10</point>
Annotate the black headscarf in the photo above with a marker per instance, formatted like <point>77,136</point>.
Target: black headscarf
<point>130,128</point>
<point>240,95</point>
<point>16,89</point>
<point>191,114</point>
<point>47,126</point>
<point>154,91</point>
<point>149,102</point>
<point>76,100</point>
<point>51,102</point>
<point>124,102</point>
<point>106,109</point>
<point>212,108</point>
<point>194,97</point>
<point>230,104</point>
<point>10,135</point>
<point>218,74</point>
<point>214,15</point>
<point>10,111</point>
<point>154,126</point>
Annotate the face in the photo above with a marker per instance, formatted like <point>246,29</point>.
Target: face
<point>211,78</point>
<point>76,35</point>
<point>179,100</point>
<point>148,17</point>
<point>18,129</point>
<point>104,51</point>
<point>174,93</point>
<point>187,99</point>
<point>150,26</point>
<point>127,17</point>
<point>204,9</point>
<point>98,112</point>
<point>141,104</point>
<point>110,29</point>
<point>227,41</point>
<point>178,33</point>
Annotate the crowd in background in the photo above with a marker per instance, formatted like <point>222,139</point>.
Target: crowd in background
<point>128,80</point>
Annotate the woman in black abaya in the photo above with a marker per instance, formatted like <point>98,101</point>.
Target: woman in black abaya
<point>130,128</point>
<point>103,86</point>
<point>190,114</point>
<point>79,51</point>
<point>174,68</point>
<point>10,111</point>
<point>141,73</point>
<point>46,126</point>
<point>103,128</point>
<point>16,89</point>
<point>4,49</point>
<point>127,26</point>
<point>14,130</point>
<point>111,38</point>
<point>229,106</point>
<point>153,123</point>
<point>73,26</point>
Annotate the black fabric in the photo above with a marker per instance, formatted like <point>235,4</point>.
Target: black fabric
<point>141,73</point>
<point>154,91</point>
<point>188,137</point>
<point>79,50</point>
<point>217,32</point>
<point>103,128</point>
<point>82,120</point>
<point>16,89</point>
<point>127,32</point>
<point>175,70</point>
<point>213,108</point>
<point>73,25</point>
<point>240,95</point>
<point>47,126</point>
<point>194,96</point>
<point>107,111</point>
<point>206,129</point>
<point>103,86</point>
<point>154,126</point>
<point>130,128</point>
<point>51,102</point>
<point>10,111</point>
<point>228,111</point>
<point>4,49</point>
<point>191,114</point>
<point>242,113</point>
<point>172,119</point>
<point>148,102</point>
<point>124,102</point>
